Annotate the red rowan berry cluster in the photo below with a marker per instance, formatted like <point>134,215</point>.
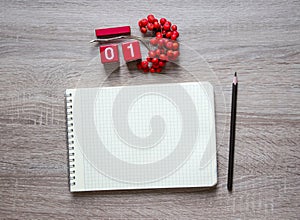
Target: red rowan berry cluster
<point>164,44</point>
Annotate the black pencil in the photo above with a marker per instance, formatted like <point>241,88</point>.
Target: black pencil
<point>232,132</point>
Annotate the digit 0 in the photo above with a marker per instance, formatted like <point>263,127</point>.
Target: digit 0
<point>109,53</point>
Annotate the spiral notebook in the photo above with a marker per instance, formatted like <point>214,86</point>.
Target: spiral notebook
<point>141,137</point>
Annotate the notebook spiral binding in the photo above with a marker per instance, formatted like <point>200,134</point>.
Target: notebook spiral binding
<point>70,127</point>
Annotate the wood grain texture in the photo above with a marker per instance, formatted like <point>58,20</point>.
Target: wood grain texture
<point>44,50</point>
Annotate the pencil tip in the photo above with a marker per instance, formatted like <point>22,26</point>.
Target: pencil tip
<point>235,80</point>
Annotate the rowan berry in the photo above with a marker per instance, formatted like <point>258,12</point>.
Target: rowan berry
<point>161,63</point>
<point>157,52</point>
<point>176,33</point>
<point>173,37</point>
<point>163,57</point>
<point>144,64</point>
<point>159,35</point>
<point>160,42</point>
<point>151,54</point>
<point>156,25</point>
<point>150,26</point>
<point>151,18</point>
<point>174,27</point>
<point>176,54</point>
<point>155,65</point>
<point>167,26</point>
<point>169,34</point>
<point>153,41</point>
<point>169,45</point>
<point>146,70</point>
<point>158,70</point>
<point>163,21</point>
<point>140,23</point>
<point>169,54</point>
<point>154,60</point>
<point>152,70</point>
<point>144,22</point>
<point>175,46</point>
<point>143,30</point>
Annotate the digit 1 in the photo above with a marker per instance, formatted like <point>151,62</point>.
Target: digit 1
<point>131,50</point>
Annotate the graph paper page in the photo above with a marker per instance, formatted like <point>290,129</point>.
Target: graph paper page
<point>141,137</point>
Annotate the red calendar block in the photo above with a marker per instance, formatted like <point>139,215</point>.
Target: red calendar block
<point>109,53</point>
<point>112,32</point>
<point>131,51</point>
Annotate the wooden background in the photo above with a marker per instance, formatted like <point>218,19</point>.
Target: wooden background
<point>44,49</point>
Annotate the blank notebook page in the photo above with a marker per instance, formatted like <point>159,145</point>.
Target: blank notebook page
<point>141,137</point>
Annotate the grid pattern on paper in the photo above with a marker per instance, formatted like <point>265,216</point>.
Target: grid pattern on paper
<point>198,170</point>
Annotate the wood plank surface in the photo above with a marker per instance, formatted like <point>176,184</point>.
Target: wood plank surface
<point>44,50</point>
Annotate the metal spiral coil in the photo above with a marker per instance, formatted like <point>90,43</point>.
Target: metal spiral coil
<point>70,127</point>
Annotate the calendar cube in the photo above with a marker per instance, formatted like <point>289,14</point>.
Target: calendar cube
<point>131,51</point>
<point>109,53</point>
